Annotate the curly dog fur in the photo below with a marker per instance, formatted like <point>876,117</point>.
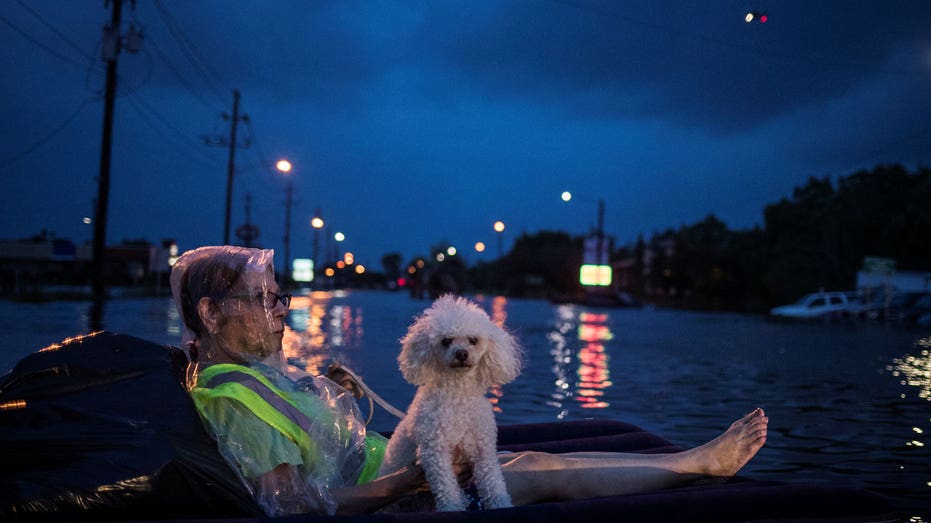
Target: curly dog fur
<point>454,353</point>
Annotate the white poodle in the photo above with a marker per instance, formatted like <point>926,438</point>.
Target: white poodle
<point>454,353</point>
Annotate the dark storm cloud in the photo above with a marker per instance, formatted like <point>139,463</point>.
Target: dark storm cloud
<point>327,53</point>
<point>698,64</point>
<point>413,122</point>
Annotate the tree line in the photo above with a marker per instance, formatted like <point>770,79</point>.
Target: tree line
<point>815,239</point>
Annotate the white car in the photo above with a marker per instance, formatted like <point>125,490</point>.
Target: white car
<point>818,305</point>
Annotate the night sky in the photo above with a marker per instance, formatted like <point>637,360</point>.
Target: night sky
<point>415,123</point>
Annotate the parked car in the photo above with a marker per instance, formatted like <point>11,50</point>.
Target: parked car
<point>872,306</point>
<point>819,305</point>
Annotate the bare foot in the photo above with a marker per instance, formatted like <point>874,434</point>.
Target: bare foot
<point>729,452</point>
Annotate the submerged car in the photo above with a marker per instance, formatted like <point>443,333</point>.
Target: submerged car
<point>909,308</point>
<point>819,305</point>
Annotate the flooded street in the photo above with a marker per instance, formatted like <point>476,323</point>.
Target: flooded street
<point>848,403</point>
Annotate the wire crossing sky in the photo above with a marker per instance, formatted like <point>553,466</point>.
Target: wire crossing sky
<point>410,124</point>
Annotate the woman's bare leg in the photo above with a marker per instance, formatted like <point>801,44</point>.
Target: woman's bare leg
<point>536,476</point>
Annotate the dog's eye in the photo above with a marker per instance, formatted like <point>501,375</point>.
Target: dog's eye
<point>446,342</point>
<point>473,340</point>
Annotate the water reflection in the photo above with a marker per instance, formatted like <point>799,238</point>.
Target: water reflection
<point>499,313</point>
<point>316,327</point>
<point>592,376</point>
<point>172,320</point>
<point>916,370</point>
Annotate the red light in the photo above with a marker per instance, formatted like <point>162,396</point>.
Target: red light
<point>763,19</point>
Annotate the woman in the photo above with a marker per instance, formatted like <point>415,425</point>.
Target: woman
<point>298,441</point>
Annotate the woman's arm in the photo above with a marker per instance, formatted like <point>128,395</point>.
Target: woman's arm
<point>358,499</point>
<point>281,491</point>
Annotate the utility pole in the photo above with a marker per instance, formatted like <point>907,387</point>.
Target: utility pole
<point>602,255</point>
<point>286,280</point>
<point>248,232</point>
<point>230,165</point>
<point>111,51</point>
<point>229,168</point>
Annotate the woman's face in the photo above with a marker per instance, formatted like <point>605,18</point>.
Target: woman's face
<point>249,327</point>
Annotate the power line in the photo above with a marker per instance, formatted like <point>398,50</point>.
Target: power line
<point>262,164</point>
<point>54,30</point>
<point>148,113</point>
<point>182,79</point>
<point>189,51</point>
<point>263,159</point>
<point>54,132</point>
<point>41,45</point>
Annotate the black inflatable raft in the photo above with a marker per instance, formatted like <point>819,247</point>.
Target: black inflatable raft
<point>100,428</point>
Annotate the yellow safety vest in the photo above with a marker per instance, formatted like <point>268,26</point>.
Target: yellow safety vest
<point>277,409</point>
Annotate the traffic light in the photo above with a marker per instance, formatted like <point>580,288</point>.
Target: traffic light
<point>754,16</point>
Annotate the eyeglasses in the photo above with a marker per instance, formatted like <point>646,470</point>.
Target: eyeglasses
<point>268,299</point>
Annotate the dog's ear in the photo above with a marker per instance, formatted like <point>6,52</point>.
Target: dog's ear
<point>415,353</point>
<point>502,361</point>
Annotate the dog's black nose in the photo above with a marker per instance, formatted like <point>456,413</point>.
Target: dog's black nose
<point>462,355</point>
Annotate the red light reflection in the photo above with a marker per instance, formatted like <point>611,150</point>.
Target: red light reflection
<point>594,374</point>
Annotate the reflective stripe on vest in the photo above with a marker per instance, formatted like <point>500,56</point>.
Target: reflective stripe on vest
<point>267,402</point>
<point>273,406</point>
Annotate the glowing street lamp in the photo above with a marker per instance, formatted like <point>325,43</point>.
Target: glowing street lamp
<point>284,166</point>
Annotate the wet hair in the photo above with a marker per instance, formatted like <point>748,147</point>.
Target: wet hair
<point>210,277</point>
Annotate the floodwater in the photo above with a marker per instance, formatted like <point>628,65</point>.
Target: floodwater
<point>848,403</point>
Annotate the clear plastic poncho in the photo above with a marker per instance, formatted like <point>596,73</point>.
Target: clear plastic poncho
<point>290,436</point>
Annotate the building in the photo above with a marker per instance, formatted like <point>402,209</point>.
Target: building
<point>44,263</point>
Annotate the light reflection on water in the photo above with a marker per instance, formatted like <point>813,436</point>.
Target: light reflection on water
<point>317,327</point>
<point>577,346</point>
<point>847,403</point>
<point>594,374</point>
<point>916,369</point>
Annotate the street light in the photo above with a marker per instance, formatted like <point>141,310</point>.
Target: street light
<point>499,228</point>
<point>284,167</point>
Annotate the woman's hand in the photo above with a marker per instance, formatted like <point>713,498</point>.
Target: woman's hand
<point>344,379</point>
<point>375,494</point>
